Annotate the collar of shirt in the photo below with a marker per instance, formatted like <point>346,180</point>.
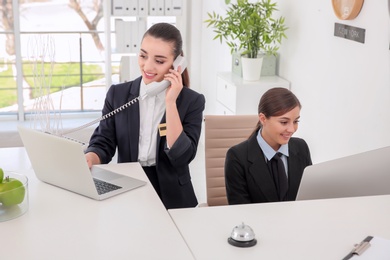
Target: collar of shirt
<point>142,91</point>
<point>268,151</point>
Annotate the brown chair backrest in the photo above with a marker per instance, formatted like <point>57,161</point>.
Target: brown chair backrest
<point>221,133</point>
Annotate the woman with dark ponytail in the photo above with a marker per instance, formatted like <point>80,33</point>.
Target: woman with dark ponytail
<point>268,166</point>
<point>160,131</point>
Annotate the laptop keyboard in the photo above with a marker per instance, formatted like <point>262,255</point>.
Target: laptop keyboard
<point>104,187</point>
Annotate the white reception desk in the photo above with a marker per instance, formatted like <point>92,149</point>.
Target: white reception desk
<point>63,225</point>
<point>299,230</point>
<point>135,225</point>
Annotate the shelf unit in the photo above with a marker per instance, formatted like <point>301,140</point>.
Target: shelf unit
<point>129,19</point>
<point>236,96</point>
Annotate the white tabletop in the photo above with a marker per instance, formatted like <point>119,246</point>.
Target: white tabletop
<point>63,225</point>
<point>317,229</point>
<point>14,158</point>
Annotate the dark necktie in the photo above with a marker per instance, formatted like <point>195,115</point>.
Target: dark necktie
<point>279,175</point>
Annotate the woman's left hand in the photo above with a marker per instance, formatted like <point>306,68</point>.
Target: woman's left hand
<point>176,86</point>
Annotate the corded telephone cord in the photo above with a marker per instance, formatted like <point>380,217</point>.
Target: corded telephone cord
<point>110,114</point>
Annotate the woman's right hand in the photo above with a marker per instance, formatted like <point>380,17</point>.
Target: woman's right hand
<point>92,159</point>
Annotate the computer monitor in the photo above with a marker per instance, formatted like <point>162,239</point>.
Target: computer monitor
<point>363,174</point>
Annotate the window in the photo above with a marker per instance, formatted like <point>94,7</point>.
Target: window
<point>53,56</point>
<point>59,47</point>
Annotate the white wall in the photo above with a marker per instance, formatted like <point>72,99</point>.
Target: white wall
<point>214,55</point>
<point>194,11</point>
<point>344,86</point>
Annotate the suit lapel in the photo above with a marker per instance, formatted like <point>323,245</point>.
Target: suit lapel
<point>293,164</point>
<point>163,120</point>
<point>259,170</point>
<point>133,120</point>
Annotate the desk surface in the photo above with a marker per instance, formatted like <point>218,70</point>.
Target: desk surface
<point>299,230</point>
<point>63,225</point>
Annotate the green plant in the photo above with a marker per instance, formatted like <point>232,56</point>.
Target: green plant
<point>249,27</point>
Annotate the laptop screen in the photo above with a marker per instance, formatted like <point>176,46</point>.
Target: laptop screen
<point>363,174</point>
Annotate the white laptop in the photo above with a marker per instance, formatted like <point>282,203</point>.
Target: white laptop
<point>61,162</point>
<point>363,174</point>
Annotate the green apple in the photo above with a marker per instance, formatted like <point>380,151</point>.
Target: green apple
<point>12,191</point>
<point>1,175</point>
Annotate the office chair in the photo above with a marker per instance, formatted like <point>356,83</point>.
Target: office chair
<point>221,133</point>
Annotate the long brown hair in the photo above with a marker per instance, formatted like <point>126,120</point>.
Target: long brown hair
<point>169,33</point>
<point>276,102</point>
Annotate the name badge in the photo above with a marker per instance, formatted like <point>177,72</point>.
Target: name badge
<point>162,129</point>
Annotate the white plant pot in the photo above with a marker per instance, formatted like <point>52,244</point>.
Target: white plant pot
<point>251,68</point>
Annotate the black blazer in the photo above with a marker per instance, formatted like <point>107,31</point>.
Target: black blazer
<point>122,132</point>
<point>248,179</point>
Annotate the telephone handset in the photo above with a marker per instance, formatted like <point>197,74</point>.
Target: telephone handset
<point>155,88</point>
<point>152,89</point>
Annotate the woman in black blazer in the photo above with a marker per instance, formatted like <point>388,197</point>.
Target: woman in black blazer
<point>160,131</point>
<point>249,174</point>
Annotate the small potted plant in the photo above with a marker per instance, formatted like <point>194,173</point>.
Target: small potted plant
<point>249,28</point>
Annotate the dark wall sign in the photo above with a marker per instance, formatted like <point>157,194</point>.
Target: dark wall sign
<point>349,32</point>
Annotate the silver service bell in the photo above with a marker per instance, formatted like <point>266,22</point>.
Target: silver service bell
<point>242,236</point>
